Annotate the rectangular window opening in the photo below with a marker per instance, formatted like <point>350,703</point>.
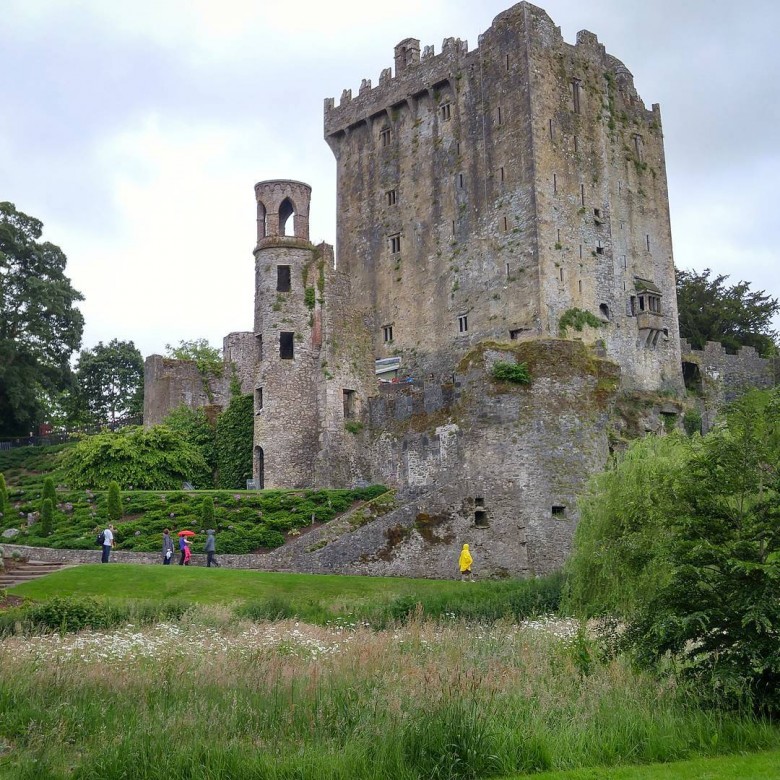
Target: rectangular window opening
<point>258,400</point>
<point>582,194</point>
<point>501,173</point>
<point>507,269</point>
<point>576,144</point>
<point>480,518</point>
<point>286,341</point>
<point>555,184</point>
<point>599,250</point>
<point>552,136</point>
<point>460,180</point>
<point>394,243</point>
<point>507,62</point>
<point>479,502</point>
<point>579,285</point>
<point>647,238</point>
<point>387,333</point>
<point>561,274</point>
<point>392,197</point>
<point>506,224</point>
<point>349,404</point>
<point>453,227</point>
<point>498,115</point>
<point>282,278</point>
<point>385,136</point>
<point>259,345</point>
<point>463,323</point>
<point>446,112</point>
<point>558,510</point>
<point>575,94</point>
<point>514,335</point>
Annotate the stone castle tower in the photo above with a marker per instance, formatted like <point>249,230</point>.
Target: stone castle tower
<point>506,204</point>
<point>484,194</point>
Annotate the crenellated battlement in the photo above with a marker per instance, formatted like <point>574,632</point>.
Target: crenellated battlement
<point>417,72</point>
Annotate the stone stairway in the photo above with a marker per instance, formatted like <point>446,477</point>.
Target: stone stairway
<point>22,572</point>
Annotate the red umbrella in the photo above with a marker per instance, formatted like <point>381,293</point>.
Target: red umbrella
<point>186,533</point>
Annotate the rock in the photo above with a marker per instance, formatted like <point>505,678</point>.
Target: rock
<point>67,508</point>
<point>172,515</point>
<point>32,518</point>
<point>10,533</point>
<point>137,533</point>
<point>237,497</point>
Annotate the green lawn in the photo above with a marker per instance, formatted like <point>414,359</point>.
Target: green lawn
<point>755,766</point>
<point>196,584</point>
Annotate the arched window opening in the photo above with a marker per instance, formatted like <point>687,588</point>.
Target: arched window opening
<point>259,468</point>
<point>604,309</point>
<point>286,210</point>
<point>262,224</point>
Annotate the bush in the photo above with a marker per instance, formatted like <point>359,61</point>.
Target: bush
<point>207,512</point>
<point>64,613</point>
<point>114,503</point>
<point>195,427</point>
<point>692,421</point>
<point>511,372</point>
<point>49,491</point>
<point>145,459</point>
<point>3,495</point>
<point>235,439</point>
<point>47,517</point>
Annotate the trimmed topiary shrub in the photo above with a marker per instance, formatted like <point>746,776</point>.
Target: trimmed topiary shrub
<point>114,503</point>
<point>47,517</point>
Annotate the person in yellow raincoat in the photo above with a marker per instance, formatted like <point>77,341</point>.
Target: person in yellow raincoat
<point>465,562</point>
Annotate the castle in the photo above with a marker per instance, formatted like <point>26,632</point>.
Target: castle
<point>505,204</point>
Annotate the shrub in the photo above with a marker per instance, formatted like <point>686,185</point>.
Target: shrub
<point>692,421</point>
<point>114,503</point>
<point>47,517</point>
<point>49,491</point>
<point>578,319</point>
<point>65,613</point>
<point>207,512</point>
<point>147,459</point>
<point>3,495</point>
<point>196,428</point>
<point>511,372</point>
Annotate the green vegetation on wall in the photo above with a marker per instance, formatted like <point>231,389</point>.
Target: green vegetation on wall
<point>235,432</point>
<point>511,372</point>
<point>578,319</point>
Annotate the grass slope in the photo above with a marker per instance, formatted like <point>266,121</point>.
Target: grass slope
<point>757,766</point>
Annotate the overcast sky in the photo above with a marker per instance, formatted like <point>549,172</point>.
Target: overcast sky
<point>136,132</point>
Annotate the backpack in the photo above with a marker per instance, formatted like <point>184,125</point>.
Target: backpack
<point>101,538</point>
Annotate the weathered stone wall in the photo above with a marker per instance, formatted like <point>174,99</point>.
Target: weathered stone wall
<point>483,193</point>
<point>719,378</point>
<point>484,462</point>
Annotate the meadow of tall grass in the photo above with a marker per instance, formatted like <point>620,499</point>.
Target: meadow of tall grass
<point>212,694</point>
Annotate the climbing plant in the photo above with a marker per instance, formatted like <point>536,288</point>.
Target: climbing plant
<point>578,319</point>
<point>235,429</point>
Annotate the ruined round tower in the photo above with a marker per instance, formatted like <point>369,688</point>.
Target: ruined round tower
<point>286,429</point>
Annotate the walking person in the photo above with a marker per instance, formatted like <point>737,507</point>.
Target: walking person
<point>211,549</point>
<point>167,549</point>
<point>182,549</point>
<point>464,562</point>
<point>187,552</point>
<point>108,543</point>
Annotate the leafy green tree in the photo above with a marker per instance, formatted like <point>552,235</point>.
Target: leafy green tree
<point>49,491</point>
<point>115,511</point>
<point>197,429</point>
<point>682,540</point>
<point>734,315</point>
<point>40,327</point>
<point>47,517</point>
<point>207,358</point>
<point>207,512</point>
<point>146,459</point>
<point>235,439</point>
<point>4,502</point>
<point>719,611</point>
<point>111,380</point>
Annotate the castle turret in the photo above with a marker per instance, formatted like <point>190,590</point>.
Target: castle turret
<point>288,342</point>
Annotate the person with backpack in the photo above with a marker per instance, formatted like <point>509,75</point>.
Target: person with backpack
<point>167,547</point>
<point>107,543</point>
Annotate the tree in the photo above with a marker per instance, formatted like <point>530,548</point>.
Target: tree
<point>146,459</point>
<point>698,555</point>
<point>40,327</point>
<point>736,316</point>
<point>196,428</point>
<point>4,503</point>
<point>49,491</point>
<point>207,512</point>
<point>115,511</point>
<point>47,517</point>
<point>111,380</point>
<point>207,358</point>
